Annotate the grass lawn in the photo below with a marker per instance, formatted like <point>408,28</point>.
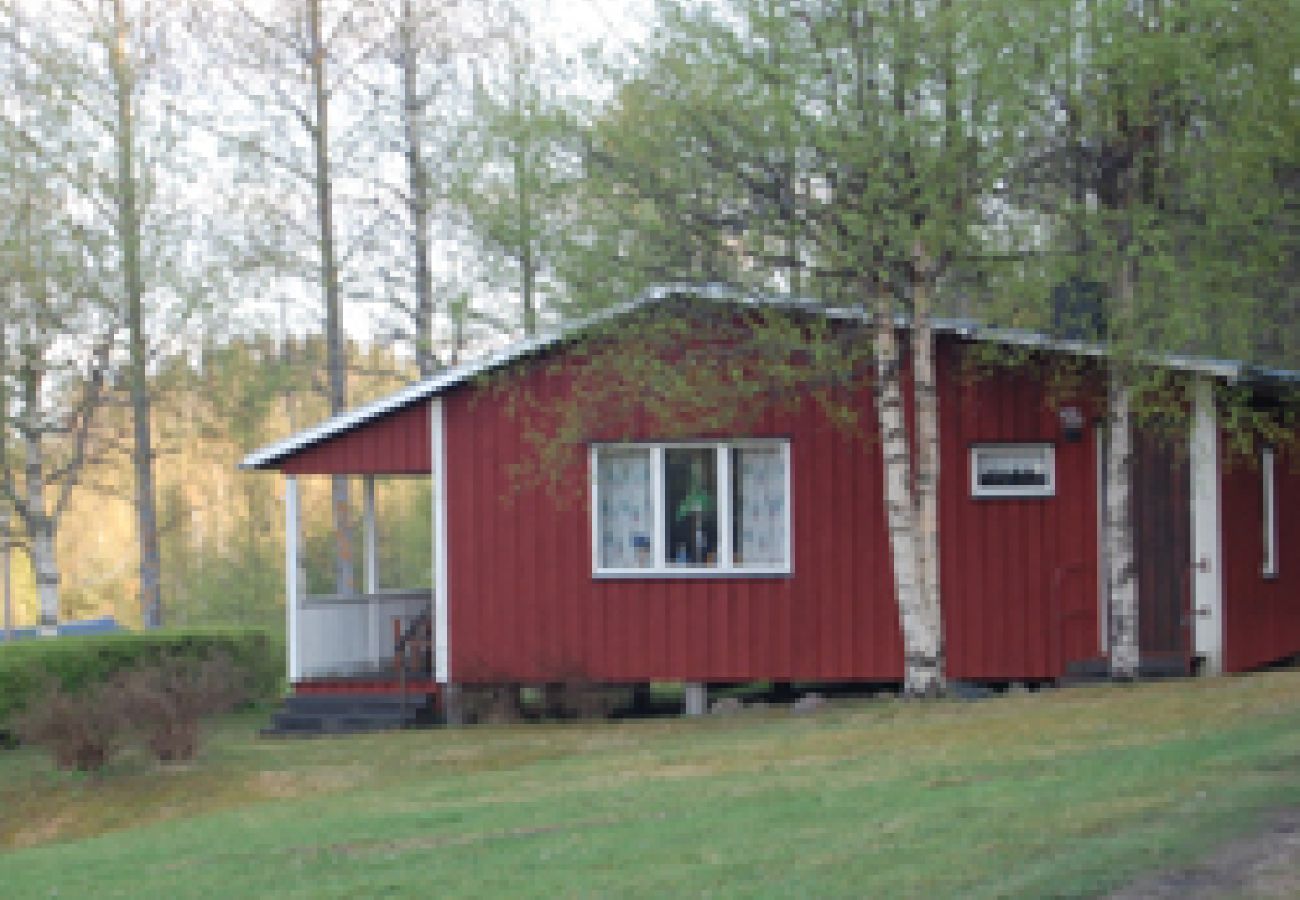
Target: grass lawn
<point>1059,793</point>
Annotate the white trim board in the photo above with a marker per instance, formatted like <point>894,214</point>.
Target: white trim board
<point>1268,481</point>
<point>292,585</point>
<point>1207,532</point>
<point>441,609</point>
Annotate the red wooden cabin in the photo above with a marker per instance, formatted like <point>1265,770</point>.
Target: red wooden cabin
<point>763,555</point>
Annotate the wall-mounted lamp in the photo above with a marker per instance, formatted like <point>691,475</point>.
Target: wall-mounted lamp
<point>1071,423</point>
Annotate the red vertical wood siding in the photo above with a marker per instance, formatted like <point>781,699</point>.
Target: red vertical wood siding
<point>1261,616</point>
<point>1019,576</point>
<point>524,604</point>
<point>395,444</point>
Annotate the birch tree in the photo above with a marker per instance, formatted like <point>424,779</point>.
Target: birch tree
<point>56,328</point>
<point>104,67</point>
<point>123,69</point>
<point>1161,166</point>
<point>420,96</point>
<point>297,119</point>
<point>846,148</point>
<point>516,173</point>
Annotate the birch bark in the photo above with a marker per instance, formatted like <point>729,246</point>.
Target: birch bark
<point>923,666</point>
<point>1120,558</point>
<point>925,391</point>
<point>40,525</point>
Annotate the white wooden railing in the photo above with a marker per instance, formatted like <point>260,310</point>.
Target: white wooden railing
<point>346,635</point>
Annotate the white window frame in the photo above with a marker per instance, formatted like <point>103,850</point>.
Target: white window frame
<point>979,451</point>
<point>1268,479</point>
<point>660,566</point>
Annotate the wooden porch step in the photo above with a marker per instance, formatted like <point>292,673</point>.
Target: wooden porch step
<point>349,713</point>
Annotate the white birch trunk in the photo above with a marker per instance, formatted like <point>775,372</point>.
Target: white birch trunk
<point>45,565</point>
<point>1120,557</point>
<point>40,532</point>
<point>921,640</point>
<point>925,391</point>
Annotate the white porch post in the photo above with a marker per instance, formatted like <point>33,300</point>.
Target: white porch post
<point>292,576</point>
<point>370,537</point>
<point>441,629</point>
<point>371,534</point>
<point>1207,531</point>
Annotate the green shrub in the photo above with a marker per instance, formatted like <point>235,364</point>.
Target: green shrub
<point>76,663</point>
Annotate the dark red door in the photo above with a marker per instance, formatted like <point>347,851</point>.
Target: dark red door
<point>1162,539</point>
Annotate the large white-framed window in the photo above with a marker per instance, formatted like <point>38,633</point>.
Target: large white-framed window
<point>1268,472</point>
<point>688,509</point>
<point>1013,470</point>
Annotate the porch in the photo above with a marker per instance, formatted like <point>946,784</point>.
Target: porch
<point>376,641</point>
<point>357,662</point>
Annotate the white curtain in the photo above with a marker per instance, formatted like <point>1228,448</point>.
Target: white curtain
<point>626,508</point>
<point>760,540</point>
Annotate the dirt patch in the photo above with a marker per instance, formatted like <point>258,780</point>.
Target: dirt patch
<point>1264,864</point>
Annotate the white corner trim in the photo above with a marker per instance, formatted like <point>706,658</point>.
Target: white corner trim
<point>370,532</point>
<point>1207,531</point>
<point>1268,478</point>
<point>441,621</point>
<point>1100,449</point>
<point>292,589</point>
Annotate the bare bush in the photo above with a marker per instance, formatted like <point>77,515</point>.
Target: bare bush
<point>491,704</point>
<point>580,698</point>
<point>82,730</point>
<point>168,702</point>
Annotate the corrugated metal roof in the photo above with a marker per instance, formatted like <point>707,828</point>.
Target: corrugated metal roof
<point>270,455</point>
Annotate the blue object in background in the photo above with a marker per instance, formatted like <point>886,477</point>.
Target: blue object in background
<point>103,625</point>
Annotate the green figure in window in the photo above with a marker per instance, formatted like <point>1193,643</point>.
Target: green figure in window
<point>696,505</point>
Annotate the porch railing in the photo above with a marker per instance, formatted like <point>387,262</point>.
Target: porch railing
<point>353,634</point>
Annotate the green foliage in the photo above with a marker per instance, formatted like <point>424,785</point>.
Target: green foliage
<point>516,180</point>
<point>78,663</point>
<point>685,368</point>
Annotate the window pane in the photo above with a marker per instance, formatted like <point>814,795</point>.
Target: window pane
<point>1013,471</point>
<point>758,506</point>
<point>691,492</point>
<point>626,508</point>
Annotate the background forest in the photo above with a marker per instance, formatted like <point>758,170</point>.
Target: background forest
<point>223,221</point>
